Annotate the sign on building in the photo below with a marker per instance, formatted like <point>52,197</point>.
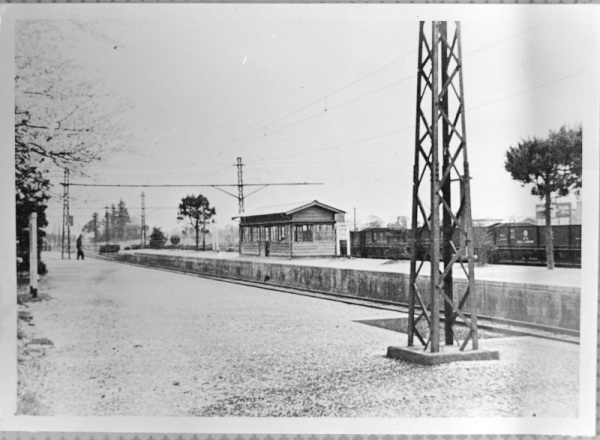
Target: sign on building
<point>560,213</point>
<point>342,239</point>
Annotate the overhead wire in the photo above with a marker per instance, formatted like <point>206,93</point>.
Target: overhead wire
<point>328,109</point>
<point>547,83</point>
<point>264,126</point>
<point>370,138</point>
<point>346,144</point>
<point>320,113</point>
<point>318,100</point>
<point>335,91</point>
<point>104,207</point>
<point>413,125</point>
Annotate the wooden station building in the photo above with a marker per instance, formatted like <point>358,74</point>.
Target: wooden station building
<point>295,230</point>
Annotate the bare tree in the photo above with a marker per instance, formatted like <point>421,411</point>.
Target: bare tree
<point>62,116</point>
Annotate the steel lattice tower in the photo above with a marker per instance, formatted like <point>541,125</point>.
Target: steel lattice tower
<point>240,185</point>
<point>445,239</point>
<point>66,226</point>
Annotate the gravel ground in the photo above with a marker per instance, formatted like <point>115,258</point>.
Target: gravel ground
<point>133,341</point>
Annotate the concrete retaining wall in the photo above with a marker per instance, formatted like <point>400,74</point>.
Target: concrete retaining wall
<point>545,305</point>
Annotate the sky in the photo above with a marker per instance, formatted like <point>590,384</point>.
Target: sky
<point>317,93</point>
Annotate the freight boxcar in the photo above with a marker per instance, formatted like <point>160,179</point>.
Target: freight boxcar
<point>386,243</point>
<point>506,243</point>
<point>516,243</point>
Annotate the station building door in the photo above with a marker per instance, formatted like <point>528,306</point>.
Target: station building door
<point>343,248</point>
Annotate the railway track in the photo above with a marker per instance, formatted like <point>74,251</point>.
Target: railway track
<point>487,323</point>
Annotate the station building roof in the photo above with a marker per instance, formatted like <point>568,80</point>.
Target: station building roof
<point>288,209</point>
<point>511,224</point>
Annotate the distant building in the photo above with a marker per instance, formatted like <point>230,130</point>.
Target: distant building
<point>293,230</point>
<point>563,213</point>
<point>400,223</point>
<point>484,222</point>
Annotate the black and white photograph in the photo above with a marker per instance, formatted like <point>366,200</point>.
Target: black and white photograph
<point>299,218</point>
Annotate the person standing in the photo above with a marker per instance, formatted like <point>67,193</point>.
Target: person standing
<point>80,247</point>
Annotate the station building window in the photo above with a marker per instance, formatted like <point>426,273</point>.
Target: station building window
<point>323,233</point>
<point>246,234</point>
<point>278,233</point>
<point>263,233</point>
<point>303,233</point>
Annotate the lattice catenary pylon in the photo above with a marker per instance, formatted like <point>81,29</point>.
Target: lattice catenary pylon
<point>444,241</point>
<point>240,176</point>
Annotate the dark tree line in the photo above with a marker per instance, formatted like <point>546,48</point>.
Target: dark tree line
<point>32,195</point>
<point>115,224</point>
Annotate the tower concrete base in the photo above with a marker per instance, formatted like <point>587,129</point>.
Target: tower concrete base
<point>446,354</point>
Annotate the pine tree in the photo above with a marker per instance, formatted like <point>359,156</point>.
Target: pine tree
<point>553,166</point>
<point>198,211</point>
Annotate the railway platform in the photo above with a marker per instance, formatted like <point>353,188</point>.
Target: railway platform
<point>506,294</point>
<point>558,277</point>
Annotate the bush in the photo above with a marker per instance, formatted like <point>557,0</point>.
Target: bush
<point>157,239</point>
<point>175,240</point>
<point>483,245</point>
<point>23,266</point>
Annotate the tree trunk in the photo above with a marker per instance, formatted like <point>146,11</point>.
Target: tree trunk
<point>197,227</point>
<point>203,234</point>
<point>549,235</point>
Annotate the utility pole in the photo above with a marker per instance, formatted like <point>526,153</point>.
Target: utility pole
<point>441,130</point>
<point>95,217</point>
<point>143,234</point>
<point>106,226</point>
<point>33,255</point>
<point>240,185</point>
<point>66,226</point>
<point>113,220</point>
<point>355,218</point>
